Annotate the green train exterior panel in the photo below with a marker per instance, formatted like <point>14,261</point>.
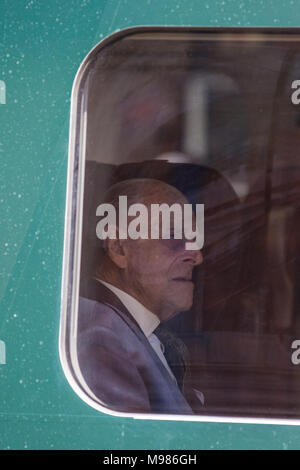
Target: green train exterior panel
<point>41,48</point>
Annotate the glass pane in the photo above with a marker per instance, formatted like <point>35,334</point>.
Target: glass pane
<point>186,118</point>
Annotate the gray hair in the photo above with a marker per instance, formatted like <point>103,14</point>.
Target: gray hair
<point>137,190</point>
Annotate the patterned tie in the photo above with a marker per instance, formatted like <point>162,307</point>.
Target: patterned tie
<point>175,353</point>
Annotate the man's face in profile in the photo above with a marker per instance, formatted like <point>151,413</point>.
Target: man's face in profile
<point>159,271</point>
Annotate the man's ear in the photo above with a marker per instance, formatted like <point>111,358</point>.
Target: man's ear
<point>115,250</point>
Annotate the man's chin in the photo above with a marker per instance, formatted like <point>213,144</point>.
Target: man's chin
<point>186,307</point>
<point>179,307</point>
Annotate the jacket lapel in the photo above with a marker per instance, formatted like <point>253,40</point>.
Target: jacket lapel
<point>97,291</point>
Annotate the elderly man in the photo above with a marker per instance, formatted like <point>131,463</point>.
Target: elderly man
<point>139,284</point>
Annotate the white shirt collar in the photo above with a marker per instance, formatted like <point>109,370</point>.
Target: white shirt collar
<point>146,320</point>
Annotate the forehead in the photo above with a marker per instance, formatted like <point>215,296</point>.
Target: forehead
<point>163,194</point>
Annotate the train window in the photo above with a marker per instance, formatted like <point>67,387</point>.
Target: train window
<point>180,293</point>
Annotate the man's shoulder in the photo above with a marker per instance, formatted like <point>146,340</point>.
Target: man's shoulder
<point>89,307</point>
<point>106,322</point>
<point>101,325</point>
<point>92,313</point>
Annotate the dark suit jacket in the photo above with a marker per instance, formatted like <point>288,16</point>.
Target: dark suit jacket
<point>117,361</point>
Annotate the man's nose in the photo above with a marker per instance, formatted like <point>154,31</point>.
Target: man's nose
<point>194,257</point>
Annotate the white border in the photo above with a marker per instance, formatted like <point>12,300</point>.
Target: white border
<point>78,384</point>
